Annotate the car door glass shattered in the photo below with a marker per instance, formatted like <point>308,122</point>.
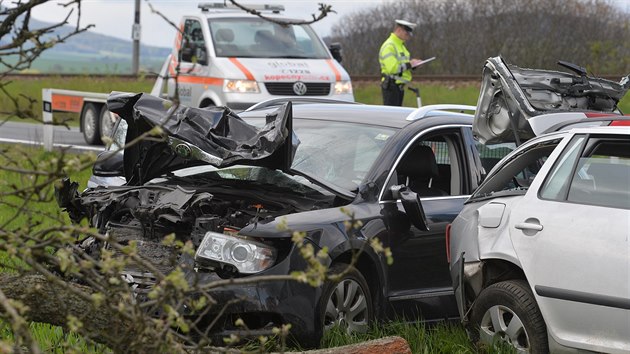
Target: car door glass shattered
<point>516,174</point>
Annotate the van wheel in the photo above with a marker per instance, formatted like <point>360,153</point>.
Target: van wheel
<point>346,303</point>
<point>107,121</point>
<point>507,312</point>
<point>90,124</point>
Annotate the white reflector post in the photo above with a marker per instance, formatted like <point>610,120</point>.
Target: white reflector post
<point>47,118</point>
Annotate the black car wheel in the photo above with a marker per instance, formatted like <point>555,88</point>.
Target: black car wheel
<point>90,124</point>
<point>507,312</point>
<point>346,303</point>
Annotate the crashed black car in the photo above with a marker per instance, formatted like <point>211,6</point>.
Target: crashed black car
<point>226,181</point>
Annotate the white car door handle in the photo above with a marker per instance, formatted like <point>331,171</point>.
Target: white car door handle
<point>529,226</point>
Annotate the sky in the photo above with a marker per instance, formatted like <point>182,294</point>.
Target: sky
<point>115,17</point>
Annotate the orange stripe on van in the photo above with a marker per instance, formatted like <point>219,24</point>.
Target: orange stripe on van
<point>242,67</point>
<point>334,68</point>
<point>182,79</point>
<point>173,66</point>
<point>66,103</point>
<point>178,37</point>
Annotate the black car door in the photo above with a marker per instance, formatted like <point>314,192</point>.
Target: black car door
<point>435,166</point>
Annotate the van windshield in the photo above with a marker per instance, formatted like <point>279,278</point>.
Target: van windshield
<point>257,38</point>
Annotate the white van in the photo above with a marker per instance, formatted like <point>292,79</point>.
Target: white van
<point>228,57</point>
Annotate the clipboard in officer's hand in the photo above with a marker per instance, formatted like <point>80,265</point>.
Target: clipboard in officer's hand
<point>419,62</point>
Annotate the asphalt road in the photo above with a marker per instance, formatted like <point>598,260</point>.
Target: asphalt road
<point>31,134</point>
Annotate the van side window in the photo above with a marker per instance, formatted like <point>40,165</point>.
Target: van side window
<point>193,45</point>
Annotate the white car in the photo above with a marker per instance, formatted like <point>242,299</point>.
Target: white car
<point>539,255</point>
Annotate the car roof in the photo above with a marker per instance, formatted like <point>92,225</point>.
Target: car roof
<point>386,116</point>
<point>239,14</point>
<point>617,130</point>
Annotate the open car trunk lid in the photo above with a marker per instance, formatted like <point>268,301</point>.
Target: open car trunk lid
<point>184,137</point>
<point>511,96</point>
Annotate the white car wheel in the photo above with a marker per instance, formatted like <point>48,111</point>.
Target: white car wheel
<point>507,312</point>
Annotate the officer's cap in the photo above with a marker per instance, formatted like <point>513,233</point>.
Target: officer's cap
<point>408,26</point>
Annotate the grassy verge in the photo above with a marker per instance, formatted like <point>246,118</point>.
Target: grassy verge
<point>443,338</point>
<point>51,339</point>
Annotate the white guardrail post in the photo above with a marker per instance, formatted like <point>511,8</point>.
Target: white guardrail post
<point>47,118</point>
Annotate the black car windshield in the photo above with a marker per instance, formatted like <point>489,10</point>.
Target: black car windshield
<point>257,38</point>
<point>333,152</point>
<point>339,153</point>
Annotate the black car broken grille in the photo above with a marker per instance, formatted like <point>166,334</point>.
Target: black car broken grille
<point>286,89</point>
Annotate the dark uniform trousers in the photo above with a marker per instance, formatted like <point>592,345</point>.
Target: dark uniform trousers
<point>393,93</point>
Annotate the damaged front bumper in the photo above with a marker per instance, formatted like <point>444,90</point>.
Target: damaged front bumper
<point>467,280</point>
<point>260,305</point>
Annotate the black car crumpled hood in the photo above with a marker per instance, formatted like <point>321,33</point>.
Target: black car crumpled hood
<point>511,95</point>
<point>194,136</point>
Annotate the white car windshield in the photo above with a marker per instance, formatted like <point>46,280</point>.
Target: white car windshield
<point>257,38</point>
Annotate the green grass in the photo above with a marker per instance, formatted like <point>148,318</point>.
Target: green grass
<point>31,158</point>
<point>51,339</point>
<point>441,338</point>
<point>431,93</point>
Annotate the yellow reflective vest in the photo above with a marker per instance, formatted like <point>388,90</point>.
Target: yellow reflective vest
<point>394,59</point>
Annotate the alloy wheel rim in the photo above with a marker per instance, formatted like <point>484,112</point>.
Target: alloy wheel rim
<point>90,123</point>
<point>347,307</point>
<point>107,124</point>
<point>500,323</point>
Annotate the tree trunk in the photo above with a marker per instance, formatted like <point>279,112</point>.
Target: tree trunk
<point>52,303</point>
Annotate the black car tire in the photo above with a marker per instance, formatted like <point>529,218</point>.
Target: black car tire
<point>355,310</point>
<point>509,303</point>
<point>90,125</point>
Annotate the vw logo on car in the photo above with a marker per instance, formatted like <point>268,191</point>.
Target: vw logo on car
<point>299,88</point>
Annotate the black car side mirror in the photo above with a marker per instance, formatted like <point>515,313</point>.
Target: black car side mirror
<point>109,164</point>
<point>412,205</point>
<point>335,50</point>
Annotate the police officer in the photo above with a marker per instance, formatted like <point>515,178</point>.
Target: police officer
<point>396,64</point>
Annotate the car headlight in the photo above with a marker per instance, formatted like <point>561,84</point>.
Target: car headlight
<point>246,256</point>
<point>343,87</point>
<point>240,86</point>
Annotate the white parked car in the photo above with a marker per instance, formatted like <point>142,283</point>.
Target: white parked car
<point>539,255</point>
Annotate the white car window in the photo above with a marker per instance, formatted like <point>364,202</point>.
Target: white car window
<point>517,171</point>
<point>601,177</point>
<point>557,183</point>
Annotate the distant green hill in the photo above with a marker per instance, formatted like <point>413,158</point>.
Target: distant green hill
<point>90,52</point>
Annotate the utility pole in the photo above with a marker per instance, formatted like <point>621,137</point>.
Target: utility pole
<point>135,35</point>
